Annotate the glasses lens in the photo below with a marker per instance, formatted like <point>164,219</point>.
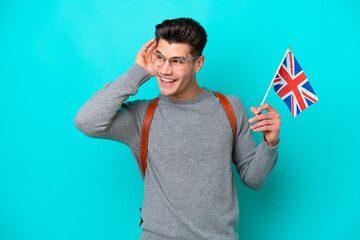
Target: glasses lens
<point>158,59</point>
<point>177,63</point>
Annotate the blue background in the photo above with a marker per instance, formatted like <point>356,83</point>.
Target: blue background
<point>56,183</point>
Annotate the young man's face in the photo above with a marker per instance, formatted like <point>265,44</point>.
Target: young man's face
<point>179,85</point>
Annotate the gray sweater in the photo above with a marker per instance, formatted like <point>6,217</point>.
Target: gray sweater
<point>189,190</point>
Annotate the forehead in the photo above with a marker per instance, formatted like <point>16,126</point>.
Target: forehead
<point>174,49</point>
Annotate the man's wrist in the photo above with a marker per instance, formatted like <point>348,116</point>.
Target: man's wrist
<point>272,144</point>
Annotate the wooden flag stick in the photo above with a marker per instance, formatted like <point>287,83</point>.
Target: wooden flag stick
<point>287,50</point>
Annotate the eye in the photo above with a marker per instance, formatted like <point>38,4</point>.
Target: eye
<point>178,61</point>
<point>159,57</point>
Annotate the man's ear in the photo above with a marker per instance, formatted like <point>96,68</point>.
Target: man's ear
<point>199,63</point>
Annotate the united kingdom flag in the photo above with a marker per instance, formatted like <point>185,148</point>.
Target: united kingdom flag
<point>292,86</point>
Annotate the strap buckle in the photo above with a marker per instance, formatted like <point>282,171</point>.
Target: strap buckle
<point>141,220</point>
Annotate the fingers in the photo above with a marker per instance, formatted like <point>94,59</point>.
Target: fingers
<point>143,57</point>
<point>149,44</point>
<point>253,110</point>
<point>269,121</point>
<point>152,47</point>
<point>261,117</point>
<point>267,128</point>
<point>266,125</point>
<point>265,106</point>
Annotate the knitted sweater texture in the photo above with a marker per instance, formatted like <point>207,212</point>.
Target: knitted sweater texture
<point>189,190</point>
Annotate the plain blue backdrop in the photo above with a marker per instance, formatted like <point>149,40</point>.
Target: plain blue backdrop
<point>57,183</point>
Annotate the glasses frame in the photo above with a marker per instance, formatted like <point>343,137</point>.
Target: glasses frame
<point>168,59</point>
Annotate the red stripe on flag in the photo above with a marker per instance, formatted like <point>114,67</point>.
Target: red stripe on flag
<point>299,98</point>
<point>291,83</point>
<point>291,64</point>
<point>312,99</point>
<point>284,74</point>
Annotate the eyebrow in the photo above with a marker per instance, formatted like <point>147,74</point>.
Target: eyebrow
<point>171,57</point>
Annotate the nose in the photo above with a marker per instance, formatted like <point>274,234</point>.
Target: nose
<point>166,68</point>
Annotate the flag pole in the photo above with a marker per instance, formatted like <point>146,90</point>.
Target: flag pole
<point>287,50</point>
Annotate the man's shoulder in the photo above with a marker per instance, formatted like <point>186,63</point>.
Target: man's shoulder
<point>237,105</point>
<point>137,107</point>
<point>138,103</point>
<point>235,101</point>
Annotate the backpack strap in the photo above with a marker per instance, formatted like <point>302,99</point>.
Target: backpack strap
<point>229,112</point>
<point>145,132</point>
<point>144,136</point>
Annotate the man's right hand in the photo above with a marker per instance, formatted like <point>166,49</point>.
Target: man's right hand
<point>143,56</point>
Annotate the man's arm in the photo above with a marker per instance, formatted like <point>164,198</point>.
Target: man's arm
<point>105,115</point>
<point>253,163</point>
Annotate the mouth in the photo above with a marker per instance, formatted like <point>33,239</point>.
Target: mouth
<point>167,81</point>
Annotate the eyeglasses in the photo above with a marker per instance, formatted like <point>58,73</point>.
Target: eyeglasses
<point>177,63</point>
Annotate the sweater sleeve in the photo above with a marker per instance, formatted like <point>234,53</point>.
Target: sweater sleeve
<point>253,163</point>
<point>106,116</point>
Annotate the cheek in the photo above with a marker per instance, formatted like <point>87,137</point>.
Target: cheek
<point>188,75</point>
<point>156,69</point>
<point>183,77</point>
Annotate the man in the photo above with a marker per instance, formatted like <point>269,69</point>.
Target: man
<point>189,190</point>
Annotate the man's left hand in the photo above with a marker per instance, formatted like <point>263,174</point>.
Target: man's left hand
<point>268,123</point>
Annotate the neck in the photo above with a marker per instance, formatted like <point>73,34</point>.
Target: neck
<point>191,93</point>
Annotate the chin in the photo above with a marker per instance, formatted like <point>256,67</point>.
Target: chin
<point>167,90</point>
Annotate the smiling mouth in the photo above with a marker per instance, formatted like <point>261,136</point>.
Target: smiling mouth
<point>167,80</point>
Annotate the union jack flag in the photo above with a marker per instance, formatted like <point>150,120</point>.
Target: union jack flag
<point>292,86</point>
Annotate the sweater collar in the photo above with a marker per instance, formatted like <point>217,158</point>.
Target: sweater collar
<point>206,92</point>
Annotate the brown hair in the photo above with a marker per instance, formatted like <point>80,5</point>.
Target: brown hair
<point>183,30</point>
